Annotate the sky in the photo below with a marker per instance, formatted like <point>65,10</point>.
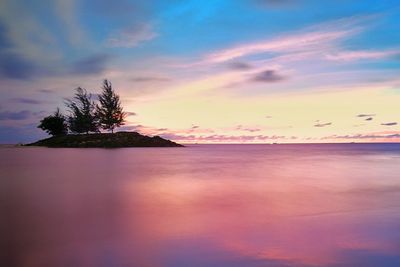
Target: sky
<point>216,71</point>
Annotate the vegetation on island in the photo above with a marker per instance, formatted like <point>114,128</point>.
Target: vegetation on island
<point>82,126</point>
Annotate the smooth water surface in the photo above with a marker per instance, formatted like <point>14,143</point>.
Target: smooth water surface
<point>205,205</point>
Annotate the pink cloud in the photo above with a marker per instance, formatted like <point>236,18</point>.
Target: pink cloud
<point>312,38</point>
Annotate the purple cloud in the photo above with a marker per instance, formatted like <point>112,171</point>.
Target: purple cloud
<point>24,100</point>
<point>18,115</point>
<point>267,76</point>
<point>95,64</point>
<point>236,65</point>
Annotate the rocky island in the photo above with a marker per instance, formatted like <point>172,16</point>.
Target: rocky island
<point>81,128</point>
<point>105,140</point>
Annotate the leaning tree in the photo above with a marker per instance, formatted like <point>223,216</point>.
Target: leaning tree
<point>82,118</point>
<point>54,124</point>
<point>109,113</point>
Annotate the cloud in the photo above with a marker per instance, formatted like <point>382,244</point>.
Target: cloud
<point>150,79</point>
<point>95,64</point>
<point>310,39</point>
<point>24,100</point>
<point>45,91</point>
<point>128,113</point>
<point>237,65</point>
<point>361,55</point>
<point>14,66</point>
<point>18,115</point>
<point>223,138</point>
<point>318,124</point>
<point>133,36</point>
<point>247,129</point>
<point>66,13</point>
<point>364,136</point>
<point>267,76</point>
<point>365,115</point>
<point>389,124</point>
<point>369,119</point>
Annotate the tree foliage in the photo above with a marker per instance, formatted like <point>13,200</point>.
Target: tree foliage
<point>54,124</point>
<point>82,117</point>
<point>109,113</point>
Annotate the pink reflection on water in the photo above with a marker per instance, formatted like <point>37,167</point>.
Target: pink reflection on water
<point>203,206</point>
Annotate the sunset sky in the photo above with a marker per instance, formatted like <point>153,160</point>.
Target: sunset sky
<point>221,71</point>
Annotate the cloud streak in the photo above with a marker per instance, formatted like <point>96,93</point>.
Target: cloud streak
<point>15,116</point>
<point>309,39</point>
<point>95,64</point>
<point>318,124</point>
<point>24,100</point>
<point>389,124</point>
<point>133,36</point>
<point>361,55</point>
<point>267,76</point>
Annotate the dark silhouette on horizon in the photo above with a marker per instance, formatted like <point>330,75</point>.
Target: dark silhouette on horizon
<point>54,124</point>
<point>85,116</point>
<point>109,113</point>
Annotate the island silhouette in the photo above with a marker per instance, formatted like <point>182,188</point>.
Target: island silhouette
<point>82,126</point>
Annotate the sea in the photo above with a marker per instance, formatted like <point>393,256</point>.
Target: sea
<point>201,205</point>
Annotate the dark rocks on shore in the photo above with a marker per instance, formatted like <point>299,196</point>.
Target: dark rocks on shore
<point>107,140</point>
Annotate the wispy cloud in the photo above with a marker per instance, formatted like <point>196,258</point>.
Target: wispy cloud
<point>94,64</point>
<point>129,113</point>
<point>308,39</point>
<point>25,100</point>
<point>365,136</point>
<point>239,65</point>
<point>319,124</point>
<point>365,115</point>
<point>133,36</point>
<point>267,76</point>
<point>216,138</point>
<point>150,79</point>
<point>247,129</point>
<point>67,12</point>
<point>389,124</point>
<point>45,91</point>
<point>15,115</point>
<point>361,55</point>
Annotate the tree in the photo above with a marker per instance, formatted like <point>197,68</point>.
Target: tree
<point>82,118</point>
<point>109,113</point>
<point>54,124</point>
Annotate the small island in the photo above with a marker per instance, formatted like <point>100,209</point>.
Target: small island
<point>82,127</point>
<point>105,140</point>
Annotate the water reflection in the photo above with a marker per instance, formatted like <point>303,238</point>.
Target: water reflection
<point>202,206</point>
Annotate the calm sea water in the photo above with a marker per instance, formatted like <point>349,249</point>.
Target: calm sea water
<point>205,205</point>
